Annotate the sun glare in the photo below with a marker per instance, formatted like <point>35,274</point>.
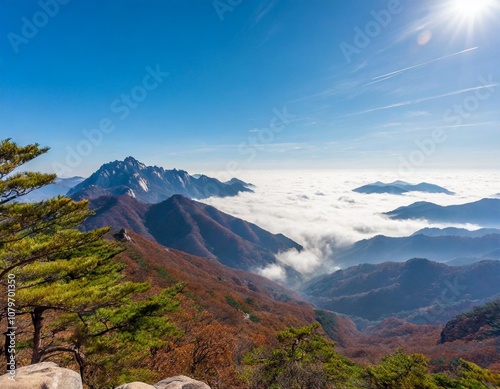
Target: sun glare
<point>471,9</point>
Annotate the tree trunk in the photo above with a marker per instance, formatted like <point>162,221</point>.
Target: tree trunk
<point>37,319</point>
<point>79,357</point>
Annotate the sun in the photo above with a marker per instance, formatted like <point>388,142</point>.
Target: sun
<point>471,9</point>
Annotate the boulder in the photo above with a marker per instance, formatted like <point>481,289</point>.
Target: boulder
<point>180,382</point>
<point>136,385</point>
<point>41,376</point>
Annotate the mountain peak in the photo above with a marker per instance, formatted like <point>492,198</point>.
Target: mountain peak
<point>150,184</point>
<point>134,162</point>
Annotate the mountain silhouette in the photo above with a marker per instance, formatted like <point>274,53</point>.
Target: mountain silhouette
<point>485,212</point>
<point>437,248</point>
<point>60,187</point>
<point>400,187</point>
<point>453,231</point>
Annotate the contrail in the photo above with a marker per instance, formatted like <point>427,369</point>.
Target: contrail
<point>381,78</point>
<point>424,63</point>
<point>422,99</point>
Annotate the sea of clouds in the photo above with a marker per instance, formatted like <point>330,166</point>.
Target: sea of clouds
<point>319,210</point>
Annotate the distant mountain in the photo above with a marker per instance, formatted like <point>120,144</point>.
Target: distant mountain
<point>493,255</point>
<point>195,228</point>
<point>485,212</point>
<point>479,324</point>
<point>235,180</point>
<point>60,187</point>
<point>419,290</point>
<point>437,248</point>
<point>150,184</point>
<point>400,187</point>
<point>452,231</point>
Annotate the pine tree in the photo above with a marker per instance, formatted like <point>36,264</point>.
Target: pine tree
<point>71,278</point>
<point>303,359</point>
<point>400,370</point>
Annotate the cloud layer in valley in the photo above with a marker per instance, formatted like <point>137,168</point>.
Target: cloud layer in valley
<point>320,211</point>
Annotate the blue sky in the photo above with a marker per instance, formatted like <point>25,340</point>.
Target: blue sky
<point>228,84</point>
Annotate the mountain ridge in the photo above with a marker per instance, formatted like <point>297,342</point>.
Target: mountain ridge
<point>408,289</point>
<point>439,248</point>
<point>453,231</point>
<point>195,228</point>
<point>151,184</point>
<point>60,187</point>
<point>484,212</point>
<point>400,187</point>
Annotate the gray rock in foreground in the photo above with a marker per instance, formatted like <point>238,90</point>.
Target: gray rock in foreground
<point>181,382</point>
<point>42,375</point>
<point>135,385</point>
<point>47,375</point>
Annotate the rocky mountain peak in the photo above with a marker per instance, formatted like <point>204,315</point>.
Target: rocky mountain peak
<point>151,184</point>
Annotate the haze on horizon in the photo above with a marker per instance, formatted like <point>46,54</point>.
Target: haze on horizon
<point>204,85</point>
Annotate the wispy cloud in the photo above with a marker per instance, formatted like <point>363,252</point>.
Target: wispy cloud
<point>455,126</point>
<point>418,113</point>
<point>396,72</point>
<point>263,11</point>
<point>357,68</point>
<point>422,99</point>
<point>379,80</point>
<point>388,76</point>
<point>353,85</point>
<point>316,96</point>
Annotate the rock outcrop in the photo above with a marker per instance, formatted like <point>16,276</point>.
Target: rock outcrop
<point>47,375</point>
<point>181,382</point>
<point>42,375</point>
<point>136,385</point>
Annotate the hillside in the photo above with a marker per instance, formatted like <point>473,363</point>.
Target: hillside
<point>253,304</point>
<point>250,308</point>
<point>257,306</point>
<point>420,290</point>
<point>479,324</point>
<point>195,228</point>
<point>151,184</point>
<point>390,334</point>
